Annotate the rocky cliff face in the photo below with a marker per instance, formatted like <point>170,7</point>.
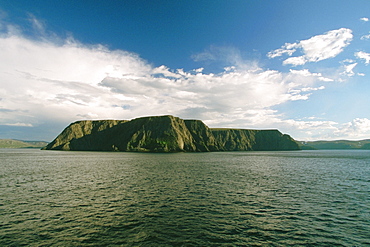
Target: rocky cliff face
<point>165,134</point>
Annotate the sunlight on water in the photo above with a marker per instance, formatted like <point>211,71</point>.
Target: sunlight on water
<point>307,198</point>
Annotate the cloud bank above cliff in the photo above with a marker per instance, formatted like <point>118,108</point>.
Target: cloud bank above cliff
<point>50,79</point>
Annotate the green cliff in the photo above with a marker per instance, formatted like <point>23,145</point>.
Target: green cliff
<point>165,134</point>
<point>257,140</point>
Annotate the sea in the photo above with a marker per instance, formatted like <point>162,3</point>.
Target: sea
<point>288,198</point>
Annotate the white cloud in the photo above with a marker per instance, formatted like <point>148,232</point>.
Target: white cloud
<point>365,19</point>
<point>224,93</point>
<point>313,129</point>
<point>363,55</point>
<point>348,69</point>
<point>45,81</point>
<point>20,124</point>
<point>295,61</point>
<point>317,48</point>
<point>358,128</point>
<point>365,37</point>
<point>285,49</point>
<point>308,89</point>
<point>200,70</point>
<point>164,71</point>
<point>307,73</point>
<point>359,125</point>
<point>348,61</point>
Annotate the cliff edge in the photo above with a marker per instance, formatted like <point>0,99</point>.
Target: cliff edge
<point>165,134</point>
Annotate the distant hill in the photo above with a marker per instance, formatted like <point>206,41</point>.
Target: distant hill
<point>10,143</point>
<point>338,144</point>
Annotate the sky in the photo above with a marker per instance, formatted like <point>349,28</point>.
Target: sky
<point>298,66</point>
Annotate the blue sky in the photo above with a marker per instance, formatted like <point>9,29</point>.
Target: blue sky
<point>299,66</point>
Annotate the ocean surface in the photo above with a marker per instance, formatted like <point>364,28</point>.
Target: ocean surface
<point>298,198</point>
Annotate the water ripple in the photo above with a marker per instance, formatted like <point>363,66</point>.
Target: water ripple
<point>309,198</point>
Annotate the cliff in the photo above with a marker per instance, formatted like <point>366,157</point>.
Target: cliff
<point>257,140</point>
<point>165,134</point>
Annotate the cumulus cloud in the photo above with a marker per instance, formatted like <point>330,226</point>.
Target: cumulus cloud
<point>223,95</point>
<point>363,55</point>
<point>42,79</point>
<point>53,80</point>
<point>358,128</point>
<point>313,129</point>
<point>317,48</point>
<point>358,125</point>
<point>365,19</point>
<point>48,81</point>
<point>295,61</point>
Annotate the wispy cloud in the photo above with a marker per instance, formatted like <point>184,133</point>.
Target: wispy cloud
<point>285,49</point>
<point>348,69</point>
<point>317,48</point>
<point>365,37</point>
<point>20,124</point>
<point>226,56</point>
<point>38,25</point>
<point>307,73</point>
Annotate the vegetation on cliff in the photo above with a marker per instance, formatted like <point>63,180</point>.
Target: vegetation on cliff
<point>165,134</point>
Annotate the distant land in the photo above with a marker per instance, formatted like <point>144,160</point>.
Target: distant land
<point>338,144</point>
<point>10,143</point>
<point>166,134</point>
<point>172,134</point>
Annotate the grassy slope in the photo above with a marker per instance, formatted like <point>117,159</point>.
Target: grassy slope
<point>338,144</point>
<point>9,143</point>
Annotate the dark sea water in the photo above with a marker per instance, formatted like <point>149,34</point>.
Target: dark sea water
<point>300,198</point>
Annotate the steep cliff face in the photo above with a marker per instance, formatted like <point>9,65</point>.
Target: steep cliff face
<point>203,138</point>
<point>257,140</point>
<point>274,140</point>
<point>165,134</point>
<point>81,130</point>
<point>154,134</point>
<point>234,139</point>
